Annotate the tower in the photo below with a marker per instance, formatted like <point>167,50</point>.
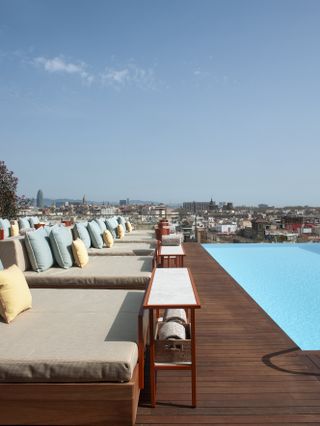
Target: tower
<point>212,205</point>
<point>40,199</point>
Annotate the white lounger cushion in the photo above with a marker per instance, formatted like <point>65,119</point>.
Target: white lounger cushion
<point>72,336</point>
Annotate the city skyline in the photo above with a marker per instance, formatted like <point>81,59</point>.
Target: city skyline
<point>218,203</point>
<point>166,101</point>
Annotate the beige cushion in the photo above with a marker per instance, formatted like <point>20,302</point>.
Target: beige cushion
<point>145,232</point>
<point>15,296</point>
<point>129,249</point>
<point>80,253</point>
<point>107,238</point>
<point>73,336</point>
<point>131,272</point>
<point>138,237</point>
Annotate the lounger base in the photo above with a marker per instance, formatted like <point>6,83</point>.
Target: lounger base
<point>70,403</point>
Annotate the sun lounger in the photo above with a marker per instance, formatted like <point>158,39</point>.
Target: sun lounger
<point>130,272</point>
<point>13,251</point>
<point>76,357</point>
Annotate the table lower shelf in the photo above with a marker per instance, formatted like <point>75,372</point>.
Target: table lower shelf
<point>172,365</point>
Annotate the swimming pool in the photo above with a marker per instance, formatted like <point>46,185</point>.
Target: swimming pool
<point>284,279</point>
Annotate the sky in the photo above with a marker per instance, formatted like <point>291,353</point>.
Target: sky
<point>165,100</point>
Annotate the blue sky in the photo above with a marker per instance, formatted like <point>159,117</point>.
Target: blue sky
<point>165,100</point>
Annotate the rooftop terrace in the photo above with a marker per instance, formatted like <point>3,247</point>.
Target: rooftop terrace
<point>249,371</point>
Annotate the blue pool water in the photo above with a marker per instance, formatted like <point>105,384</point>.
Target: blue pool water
<point>284,279</point>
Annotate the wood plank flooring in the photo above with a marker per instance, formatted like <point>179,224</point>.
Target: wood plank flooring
<point>249,371</point>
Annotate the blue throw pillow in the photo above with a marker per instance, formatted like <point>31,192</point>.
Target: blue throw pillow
<point>33,220</point>
<point>95,234</point>
<point>101,224</point>
<point>122,222</point>
<point>23,223</point>
<point>61,242</point>
<point>111,228</point>
<point>5,225</point>
<point>80,231</point>
<point>39,251</point>
<point>115,221</point>
<point>47,229</point>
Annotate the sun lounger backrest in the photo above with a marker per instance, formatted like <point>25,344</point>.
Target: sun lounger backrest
<point>13,251</point>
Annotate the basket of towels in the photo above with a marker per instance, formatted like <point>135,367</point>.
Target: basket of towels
<point>172,337</point>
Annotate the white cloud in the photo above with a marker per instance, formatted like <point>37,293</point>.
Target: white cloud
<point>200,73</point>
<point>113,77</point>
<point>130,75</point>
<point>59,65</point>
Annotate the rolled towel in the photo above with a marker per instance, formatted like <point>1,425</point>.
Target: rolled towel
<point>177,315</point>
<point>172,330</point>
<point>172,229</point>
<point>172,240</point>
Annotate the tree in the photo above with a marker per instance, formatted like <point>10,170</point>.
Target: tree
<point>8,188</point>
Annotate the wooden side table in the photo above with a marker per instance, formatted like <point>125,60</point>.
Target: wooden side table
<point>172,288</point>
<point>171,255</point>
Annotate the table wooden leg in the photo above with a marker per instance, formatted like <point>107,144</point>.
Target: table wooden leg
<point>188,314</point>
<point>193,355</point>
<point>152,369</point>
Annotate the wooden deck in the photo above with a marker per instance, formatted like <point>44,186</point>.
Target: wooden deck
<point>249,371</point>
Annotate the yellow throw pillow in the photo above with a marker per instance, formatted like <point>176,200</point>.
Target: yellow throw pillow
<point>15,296</point>
<point>129,226</point>
<point>14,229</point>
<point>80,253</point>
<point>120,231</point>
<point>107,238</point>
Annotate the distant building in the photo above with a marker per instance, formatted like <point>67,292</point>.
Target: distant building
<point>212,205</point>
<point>196,206</point>
<point>292,222</point>
<point>154,211</point>
<point>259,227</point>
<point>40,203</point>
<point>108,211</point>
<point>122,202</point>
<point>228,206</point>
<point>84,201</point>
<point>226,228</point>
